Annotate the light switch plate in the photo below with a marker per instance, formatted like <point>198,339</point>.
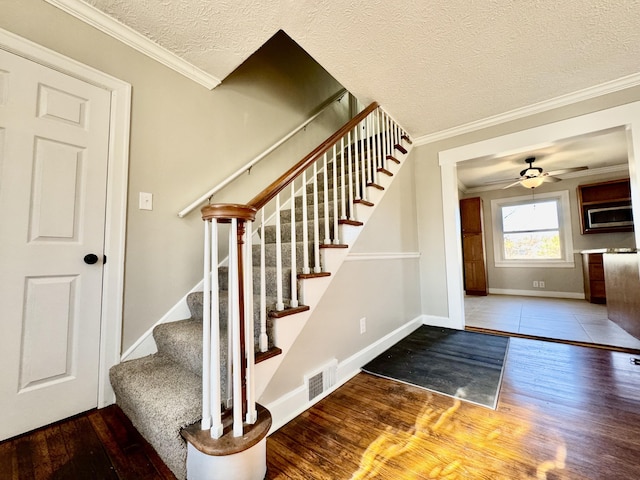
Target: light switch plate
<point>146,201</point>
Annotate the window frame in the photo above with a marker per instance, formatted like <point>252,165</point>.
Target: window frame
<point>564,227</point>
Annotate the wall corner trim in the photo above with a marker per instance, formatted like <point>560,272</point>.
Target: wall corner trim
<point>112,27</point>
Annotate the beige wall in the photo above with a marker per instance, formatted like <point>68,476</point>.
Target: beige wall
<point>184,140</point>
<point>430,225</point>
<point>567,280</point>
<point>386,292</point>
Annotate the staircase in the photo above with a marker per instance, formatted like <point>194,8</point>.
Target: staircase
<point>289,246</point>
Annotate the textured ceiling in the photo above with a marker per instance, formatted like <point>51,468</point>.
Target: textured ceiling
<point>432,65</point>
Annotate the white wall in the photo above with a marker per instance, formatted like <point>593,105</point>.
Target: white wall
<point>184,140</point>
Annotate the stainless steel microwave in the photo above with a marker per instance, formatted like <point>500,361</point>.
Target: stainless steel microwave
<point>608,217</point>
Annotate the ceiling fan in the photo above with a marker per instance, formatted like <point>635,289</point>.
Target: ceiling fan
<point>532,177</point>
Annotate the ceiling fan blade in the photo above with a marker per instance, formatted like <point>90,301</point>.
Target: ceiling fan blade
<point>550,179</point>
<point>567,170</point>
<point>512,185</point>
<point>504,180</point>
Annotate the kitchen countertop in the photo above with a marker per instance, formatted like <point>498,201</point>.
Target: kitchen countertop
<point>611,250</point>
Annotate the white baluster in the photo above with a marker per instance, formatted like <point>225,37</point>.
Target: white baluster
<point>216,401</point>
<point>316,224</point>
<point>385,142</point>
<point>205,423</point>
<point>378,144</point>
<point>249,329</point>
<point>235,358</point>
<point>392,130</point>
<point>279,302</point>
<point>234,309</point>
<point>343,179</point>
<point>372,153</point>
<point>230,299</point>
<point>396,135</point>
<point>264,341</point>
<point>363,158</point>
<point>350,178</point>
<point>336,240</point>
<point>327,232</point>
<point>356,163</point>
<point>294,266</point>
<point>305,232</point>
<point>393,134</point>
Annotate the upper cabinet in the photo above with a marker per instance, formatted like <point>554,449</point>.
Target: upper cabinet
<point>471,215</point>
<point>605,207</point>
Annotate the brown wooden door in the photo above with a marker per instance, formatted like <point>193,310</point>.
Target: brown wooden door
<point>475,272</point>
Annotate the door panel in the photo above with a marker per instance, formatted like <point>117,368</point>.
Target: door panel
<point>47,325</point>
<point>54,132</point>
<point>55,195</point>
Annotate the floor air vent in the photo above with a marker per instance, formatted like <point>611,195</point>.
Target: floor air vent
<point>321,380</point>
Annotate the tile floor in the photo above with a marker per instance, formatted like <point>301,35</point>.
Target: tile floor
<point>560,318</point>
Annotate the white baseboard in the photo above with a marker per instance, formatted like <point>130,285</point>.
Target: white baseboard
<point>292,404</point>
<point>146,345</point>
<point>536,293</point>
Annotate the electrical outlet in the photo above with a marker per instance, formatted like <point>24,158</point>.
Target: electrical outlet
<point>541,283</point>
<point>535,284</point>
<point>363,324</point>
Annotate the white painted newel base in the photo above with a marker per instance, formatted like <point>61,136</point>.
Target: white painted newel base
<point>250,464</point>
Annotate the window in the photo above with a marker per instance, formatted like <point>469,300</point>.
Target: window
<point>532,231</point>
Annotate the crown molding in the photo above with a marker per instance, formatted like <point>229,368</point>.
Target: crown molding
<point>540,107</point>
<point>106,24</point>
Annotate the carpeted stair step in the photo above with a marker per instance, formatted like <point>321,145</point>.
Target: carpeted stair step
<point>160,398</point>
<point>270,280</point>
<point>285,213</point>
<point>181,341</point>
<point>194,300</point>
<point>310,200</point>
<point>285,231</point>
<point>270,255</point>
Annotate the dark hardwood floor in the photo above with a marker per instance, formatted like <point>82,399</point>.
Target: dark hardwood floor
<point>99,444</point>
<point>565,412</point>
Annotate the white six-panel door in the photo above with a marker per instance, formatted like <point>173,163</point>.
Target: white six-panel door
<point>54,132</point>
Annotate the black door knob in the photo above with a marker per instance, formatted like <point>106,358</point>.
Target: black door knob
<point>90,259</point>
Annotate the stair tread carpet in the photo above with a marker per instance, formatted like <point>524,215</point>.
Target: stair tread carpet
<point>160,398</point>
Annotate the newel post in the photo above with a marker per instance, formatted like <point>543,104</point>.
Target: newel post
<point>240,218</point>
<point>229,446</point>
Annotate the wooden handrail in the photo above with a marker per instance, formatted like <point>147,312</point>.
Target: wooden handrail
<point>269,193</point>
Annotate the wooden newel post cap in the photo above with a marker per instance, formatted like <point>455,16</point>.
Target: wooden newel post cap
<point>227,211</point>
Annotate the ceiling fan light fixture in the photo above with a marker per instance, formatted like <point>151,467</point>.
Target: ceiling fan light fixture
<point>532,182</point>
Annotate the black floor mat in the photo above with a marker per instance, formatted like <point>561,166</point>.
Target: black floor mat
<point>460,364</point>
